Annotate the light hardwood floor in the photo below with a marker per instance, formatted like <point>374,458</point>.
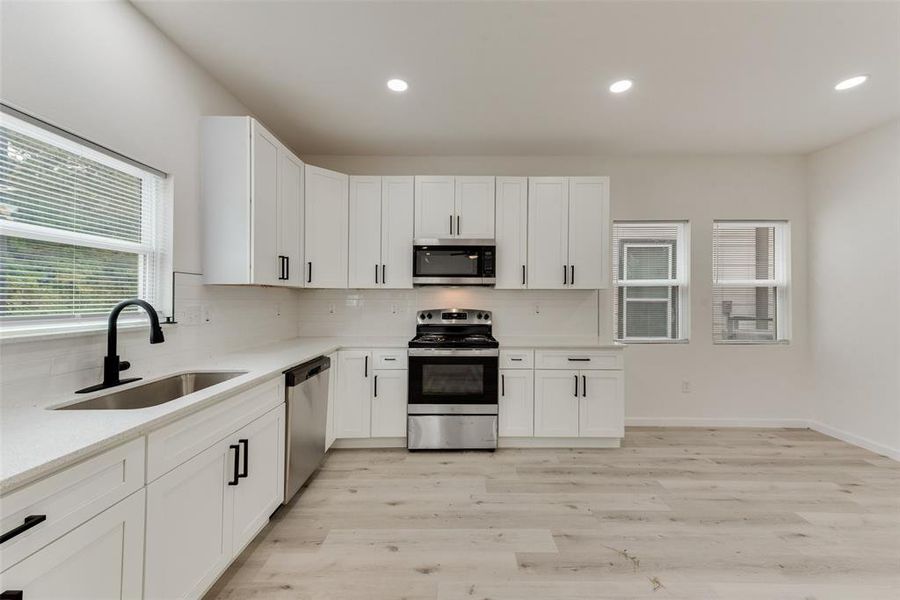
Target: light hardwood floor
<point>674,513</point>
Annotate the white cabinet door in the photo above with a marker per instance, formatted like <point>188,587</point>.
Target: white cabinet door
<point>602,404</point>
<point>589,246</point>
<point>548,232</point>
<point>332,391</point>
<point>556,403</point>
<point>389,403</point>
<point>365,232</point>
<point>396,232</point>
<point>264,206</point>
<point>353,401</point>
<point>290,218</point>
<point>474,207</point>
<point>102,558</point>
<point>260,489</point>
<point>189,515</point>
<point>326,228</point>
<point>435,207</point>
<point>516,402</point>
<point>512,232</point>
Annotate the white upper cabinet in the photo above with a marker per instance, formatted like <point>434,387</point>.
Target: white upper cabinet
<point>435,207</point>
<point>512,232</point>
<point>326,228</point>
<point>396,232</point>
<point>381,232</point>
<point>589,244</point>
<point>474,208</point>
<point>548,232</point>
<point>365,232</point>
<point>568,234</point>
<point>454,207</point>
<point>252,197</point>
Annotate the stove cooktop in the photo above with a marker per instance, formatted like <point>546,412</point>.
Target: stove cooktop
<point>449,340</point>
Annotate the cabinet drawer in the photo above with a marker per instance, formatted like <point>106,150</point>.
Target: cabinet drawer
<point>516,359</point>
<point>69,498</point>
<point>578,359</point>
<point>389,359</point>
<point>180,441</point>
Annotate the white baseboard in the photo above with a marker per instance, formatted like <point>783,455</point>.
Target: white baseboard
<point>569,442</point>
<point>714,422</point>
<point>389,442</point>
<point>856,440</point>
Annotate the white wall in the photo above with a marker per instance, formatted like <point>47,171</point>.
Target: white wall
<point>101,70</point>
<point>854,286</point>
<point>763,385</point>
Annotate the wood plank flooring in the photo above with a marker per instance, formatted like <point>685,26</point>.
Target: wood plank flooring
<point>675,513</point>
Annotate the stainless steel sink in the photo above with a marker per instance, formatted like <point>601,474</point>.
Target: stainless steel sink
<point>154,393</point>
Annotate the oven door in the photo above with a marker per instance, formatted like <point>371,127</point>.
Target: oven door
<point>452,262</point>
<point>452,381</point>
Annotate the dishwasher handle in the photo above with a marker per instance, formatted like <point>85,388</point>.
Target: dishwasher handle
<point>307,370</point>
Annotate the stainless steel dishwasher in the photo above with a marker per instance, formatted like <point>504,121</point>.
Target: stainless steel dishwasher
<point>307,408</point>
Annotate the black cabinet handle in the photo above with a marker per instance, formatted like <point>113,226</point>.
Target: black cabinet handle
<point>523,274</point>
<point>376,274</point>
<point>576,386</point>
<point>287,268</point>
<point>570,359</point>
<point>12,595</point>
<point>376,386</point>
<point>389,358</point>
<point>502,384</point>
<point>246,466</point>
<point>565,274</point>
<point>572,278</point>
<point>516,359</point>
<point>584,385</point>
<point>235,475</point>
<point>29,522</point>
<point>309,277</point>
<point>383,276</point>
<point>366,366</point>
<point>458,230</point>
<point>451,224</point>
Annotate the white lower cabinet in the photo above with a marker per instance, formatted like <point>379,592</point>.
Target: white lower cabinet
<point>101,559</point>
<point>516,403</point>
<point>555,403</point>
<point>601,410</point>
<point>389,403</point>
<point>352,403</point>
<point>202,513</point>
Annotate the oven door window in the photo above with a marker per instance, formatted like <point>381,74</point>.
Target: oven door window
<point>453,380</point>
<point>447,261</point>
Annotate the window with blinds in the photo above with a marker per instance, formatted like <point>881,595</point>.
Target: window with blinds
<point>651,283</point>
<point>751,281</point>
<point>79,229</point>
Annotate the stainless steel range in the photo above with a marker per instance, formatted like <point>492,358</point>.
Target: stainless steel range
<point>453,372</point>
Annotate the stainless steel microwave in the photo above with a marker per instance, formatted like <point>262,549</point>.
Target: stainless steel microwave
<point>454,262</point>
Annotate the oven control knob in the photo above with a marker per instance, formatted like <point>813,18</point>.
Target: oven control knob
<point>429,315</point>
<point>480,315</point>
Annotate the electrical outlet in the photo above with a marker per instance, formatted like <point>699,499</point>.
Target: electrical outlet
<point>395,309</point>
<point>277,310</point>
<point>331,309</point>
<point>206,313</point>
<point>685,386</point>
<point>537,309</point>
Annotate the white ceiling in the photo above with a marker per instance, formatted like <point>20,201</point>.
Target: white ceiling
<point>530,78</point>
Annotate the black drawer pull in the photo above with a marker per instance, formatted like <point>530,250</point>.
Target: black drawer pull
<point>570,359</point>
<point>29,522</point>
<point>235,475</point>
<point>516,359</point>
<point>246,445</point>
<point>12,595</point>
<point>386,358</point>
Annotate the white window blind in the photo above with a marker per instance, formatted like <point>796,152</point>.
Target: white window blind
<point>79,229</point>
<point>651,263</point>
<point>751,273</point>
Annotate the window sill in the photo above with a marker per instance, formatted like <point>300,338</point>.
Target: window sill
<point>55,331</point>
<point>667,341</point>
<point>751,343</point>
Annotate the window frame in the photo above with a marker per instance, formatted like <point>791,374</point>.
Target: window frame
<point>781,281</point>
<point>681,281</point>
<point>154,247</point>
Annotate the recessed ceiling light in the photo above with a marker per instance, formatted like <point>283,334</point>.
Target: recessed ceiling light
<point>397,85</point>
<point>851,83</point>
<point>623,85</point>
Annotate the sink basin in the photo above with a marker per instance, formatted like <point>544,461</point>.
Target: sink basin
<point>154,393</point>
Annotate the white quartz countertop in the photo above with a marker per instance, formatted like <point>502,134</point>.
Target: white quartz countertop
<point>36,441</point>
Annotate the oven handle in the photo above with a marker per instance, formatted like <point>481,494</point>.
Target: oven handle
<point>454,352</point>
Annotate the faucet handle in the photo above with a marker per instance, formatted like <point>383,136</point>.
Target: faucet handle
<point>124,365</point>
